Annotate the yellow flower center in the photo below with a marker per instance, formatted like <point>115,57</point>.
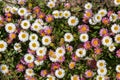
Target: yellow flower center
<point>1,45</point>
<point>60,51</point>
<point>80,52</point>
<point>75,78</point>
<point>3,68</point>
<point>118,1</point>
<point>40,51</point>
<point>25,24</point>
<point>73,21</point>
<point>23,35</point>
<point>60,72</point>
<point>118,38</point>
<point>29,58</point>
<point>10,28</point>
<point>34,45</point>
<point>46,40</point>
<point>116,28</point>
<point>107,40</point>
<point>22,11</point>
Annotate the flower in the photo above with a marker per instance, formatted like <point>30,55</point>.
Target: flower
<point>60,51</point>
<point>10,27</point>
<point>55,13</point>
<point>103,32</point>
<point>43,73</point>
<point>113,17</point>
<point>87,45</point>
<point>81,52</point>
<point>55,66</point>
<point>72,65</point>
<point>101,64</point>
<point>95,42</point>
<point>107,41</point>
<point>29,58</point>
<point>99,77</point>
<point>3,45</point>
<point>89,74</point>
<point>50,77</point>
<point>33,37</point>
<point>73,21</point>
<point>25,24</point>
<point>83,28</point>
<point>118,68</point>
<point>61,14</point>
<point>102,12</point>
<point>105,20</point>
<point>36,27</point>
<point>83,37</point>
<point>68,37</point>
<point>14,10</point>
<point>117,38</point>
<point>23,36</point>
<point>41,51</point>
<point>46,40</point>
<point>33,45</point>
<point>97,17</point>
<point>17,46</point>
<point>97,50</point>
<point>28,16</point>
<point>102,71</point>
<point>51,4</point>
<point>117,2</point>
<point>22,11</point>
<point>66,14</point>
<point>118,53</point>
<point>115,28</point>
<point>88,5</point>
<point>4,68</point>
<point>30,65</point>
<point>49,18</point>
<point>60,73</point>
<point>111,48</point>
<point>88,14</point>
<point>39,21</point>
<point>75,77</point>
<point>20,67</point>
<point>29,72</point>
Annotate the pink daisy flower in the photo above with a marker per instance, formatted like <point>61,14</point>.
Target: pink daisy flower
<point>118,53</point>
<point>95,42</point>
<point>20,67</point>
<point>49,18</point>
<point>97,50</point>
<point>103,32</point>
<point>87,45</point>
<point>83,28</point>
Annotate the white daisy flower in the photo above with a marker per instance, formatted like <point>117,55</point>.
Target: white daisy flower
<point>117,2</point>
<point>118,68</point>
<point>115,28</point>
<point>111,48</point>
<point>33,37</point>
<point>60,51</point>
<point>7,9</point>
<point>99,77</point>
<point>10,27</point>
<point>54,58</point>
<point>102,71</point>
<point>68,37</point>
<point>117,38</point>
<point>50,77</point>
<point>36,27</point>
<point>75,77</point>
<point>102,12</point>
<point>67,14</point>
<point>22,11</point>
<point>14,10</point>
<point>113,17</point>
<point>37,62</point>
<point>3,45</point>
<point>51,4</point>
<point>84,37</point>
<point>23,36</point>
<point>101,64</point>
<point>73,21</point>
<point>17,46</point>
<point>60,73</point>
<point>29,72</point>
<point>4,68</point>
<point>28,16</point>
<point>97,17</point>
<point>107,41</point>
<point>39,21</point>
<point>88,5</point>
<point>25,24</point>
<point>61,14</point>
<point>81,52</point>
<point>92,21</point>
<point>41,51</point>
<point>29,58</point>
<point>55,13</point>
<point>34,45</point>
<point>46,40</point>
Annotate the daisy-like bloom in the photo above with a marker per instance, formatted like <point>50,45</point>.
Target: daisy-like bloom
<point>23,36</point>
<point>107,41</point>
<point>41,15</point>
<point>28,16</point>
<point>48,30</point>
<point>39,21</point>
<point>118,53</point>
<point>4,68</point>
<point>25,24</point>
<point>103,32</point>
<point>99,77</point>
<point>72,65</point>
<point>50,77</point>
<point>105,20</point>
<point>81,52</point>
<point>101,64</point>
<point>51,4</point>
<point>3,45</point>
<point>43,73</point>
<point>61,14</point>
<point>31,65</point>
<point>66,14</point>
<point>33,45</point>
<point>75,77</point>
<point>92,21</point>
<point>111,48</point>
<point>87,45</point>
<point>22,11</point>
<point>17,46</point>
<point>88,5</point>
<point>1,20</point>
<point>115,28</point>
<point>97,17</point>
<point>97,50</point>
<point>46,40</point>
<point>83,28</point>
<point>117,76</point>
<point>49,18</point>
<point>83,37</point>
<point>29,58</point>
<point>102,71</point>
<point>36,9</point>
<point>95,42</point>
<point>29,72</point>
<point>60,73</point>
<point>7,9</point>
<point>14,10</point>
<point>41,51</point>
<point>36,27</point>
<point>117,38</point>
<point>102,12</point>
<point>60,51</point>
<point>69,48</point>
<point>54,57</point>
<point>73,21</point>
<point>118,68</point>
<point>117,2</point>
<point>33,37</point>
<point>113,17</point>
<point>37,62</point>
<point>10,27</point>
<point>55,13</point>
<point>61,59</point>
<point>88,14</point>
<point>68,37</point>
<point>89,74</point>
<point>20,67</point>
